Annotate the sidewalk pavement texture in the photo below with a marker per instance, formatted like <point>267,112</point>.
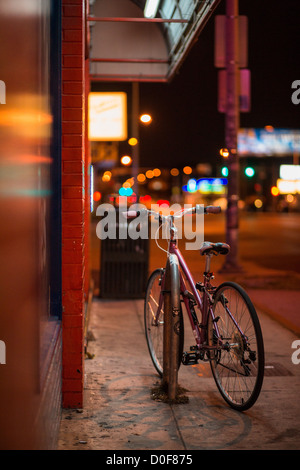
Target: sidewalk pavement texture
<point>120,413</point>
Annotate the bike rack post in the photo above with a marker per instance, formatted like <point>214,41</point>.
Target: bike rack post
<point>171,341</point>
<point>167,327</point>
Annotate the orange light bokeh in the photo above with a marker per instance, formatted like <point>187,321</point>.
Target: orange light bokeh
<point>97,196</point>
<point>187,170</point>
<point>275,191</point>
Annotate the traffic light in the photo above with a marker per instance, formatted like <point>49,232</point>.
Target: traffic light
<point>224,171</point>
<point>249,171</point>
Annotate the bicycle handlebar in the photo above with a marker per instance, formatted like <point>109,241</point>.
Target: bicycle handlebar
<point>131,214</point>
<point>197,209</point>
<point>212,210</point>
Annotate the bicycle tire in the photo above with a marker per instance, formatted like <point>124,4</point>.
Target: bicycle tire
<point>175,284</point>
<point>177,328</point>
<point>154,332</point>
<point>238,371</point>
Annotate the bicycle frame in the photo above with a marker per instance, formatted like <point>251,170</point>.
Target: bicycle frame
<point>237,362</point>
<point>203,303</point>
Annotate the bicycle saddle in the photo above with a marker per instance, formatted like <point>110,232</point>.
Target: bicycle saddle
<point>214,248</point>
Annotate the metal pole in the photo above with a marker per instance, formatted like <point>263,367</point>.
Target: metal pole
<point>175,331</point>
<point>135,133</point>
<point>128,78</point>
<point>171,337</point>
<point>232,124</point>
<point>135,20</point>
<point>167,328</point>
<point>130,61</point>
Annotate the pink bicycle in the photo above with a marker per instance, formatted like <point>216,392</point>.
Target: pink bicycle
<point>226,327</point>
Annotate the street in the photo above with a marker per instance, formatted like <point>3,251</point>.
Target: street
<point>270,240</point>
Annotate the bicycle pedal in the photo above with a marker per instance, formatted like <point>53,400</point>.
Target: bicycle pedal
<point>189,358</point>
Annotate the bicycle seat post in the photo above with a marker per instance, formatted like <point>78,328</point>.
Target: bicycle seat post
<point>208,262</point>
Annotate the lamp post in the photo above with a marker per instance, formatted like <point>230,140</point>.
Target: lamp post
<point>135,134</point>
<point>134,140</point>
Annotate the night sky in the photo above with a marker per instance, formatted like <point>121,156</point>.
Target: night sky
<point>187,127</point>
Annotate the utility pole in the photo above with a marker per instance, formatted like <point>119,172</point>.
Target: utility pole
<point>232,123</point>
<point>135,133</point>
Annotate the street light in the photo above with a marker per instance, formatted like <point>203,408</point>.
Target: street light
<point>132,141</point>
<point>126,160</point>
<point>145,118</point>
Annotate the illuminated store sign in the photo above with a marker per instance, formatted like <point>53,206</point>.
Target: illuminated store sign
<point>289,172</point>
<point>268,142</point>
<point>107,116</point>
<point>206,186</point>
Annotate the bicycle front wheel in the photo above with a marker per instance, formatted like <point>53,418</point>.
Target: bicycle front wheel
<point>238,365</point>
<point>154,318</point>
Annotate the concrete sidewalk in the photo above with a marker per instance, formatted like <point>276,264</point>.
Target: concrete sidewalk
<point>120,414</point>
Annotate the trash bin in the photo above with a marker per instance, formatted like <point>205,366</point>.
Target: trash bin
<point>124,264</point>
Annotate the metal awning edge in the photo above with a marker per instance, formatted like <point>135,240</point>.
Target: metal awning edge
<point>191,39</point>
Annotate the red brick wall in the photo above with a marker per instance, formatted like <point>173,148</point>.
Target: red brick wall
<point>87,184</point>
<point>74,194</point>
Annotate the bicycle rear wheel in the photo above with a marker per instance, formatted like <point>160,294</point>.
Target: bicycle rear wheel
<point>154,321</point>
<point>238,369</point>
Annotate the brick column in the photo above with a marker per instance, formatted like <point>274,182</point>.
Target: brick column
<point>73,199</point>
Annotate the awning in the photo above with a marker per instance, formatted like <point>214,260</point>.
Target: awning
<point>127,46</point>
